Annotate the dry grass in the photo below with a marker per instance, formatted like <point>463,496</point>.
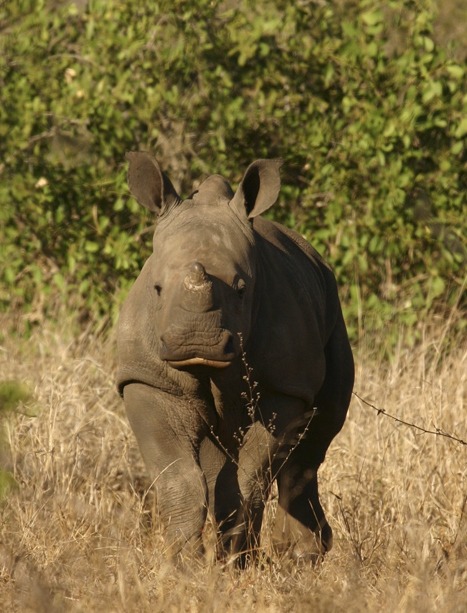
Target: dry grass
<point>81,533</point>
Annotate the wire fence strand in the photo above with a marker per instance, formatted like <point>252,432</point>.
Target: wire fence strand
<point>436,431</point>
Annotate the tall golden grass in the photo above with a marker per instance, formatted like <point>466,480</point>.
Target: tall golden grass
<point>80,531</point>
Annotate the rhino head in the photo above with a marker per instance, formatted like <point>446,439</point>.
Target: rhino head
<point>203,271</point>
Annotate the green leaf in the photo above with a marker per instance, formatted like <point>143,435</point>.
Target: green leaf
<point>59,281</point>
<point>433,89</point>
<point>456,71</point>
<point>428,43</point>
<point>461,129</point>
<point>436,288</point>
<point>372,18</point>
<point>91,246</point>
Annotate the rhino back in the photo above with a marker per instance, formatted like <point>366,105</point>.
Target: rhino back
<point>297,309</point>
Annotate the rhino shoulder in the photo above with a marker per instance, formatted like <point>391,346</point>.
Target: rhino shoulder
<point>281,237</point>
<point>290,261</point>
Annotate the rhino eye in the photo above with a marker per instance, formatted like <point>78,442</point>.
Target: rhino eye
<point>241,288</point>
<point>158,289</point>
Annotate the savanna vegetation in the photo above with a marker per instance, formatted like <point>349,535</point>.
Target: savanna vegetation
<point>366,102</point>
<point>365,107</point>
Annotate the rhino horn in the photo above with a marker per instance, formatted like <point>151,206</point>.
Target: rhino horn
<point>197,279</point>
<point>148,184</point>
<point>259,188</point>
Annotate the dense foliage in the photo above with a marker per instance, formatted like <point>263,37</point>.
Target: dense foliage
<point>367,110</point>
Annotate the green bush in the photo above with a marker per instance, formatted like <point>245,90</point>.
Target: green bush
<point>368,112</point>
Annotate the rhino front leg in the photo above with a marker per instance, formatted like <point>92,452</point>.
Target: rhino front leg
<point>168,432</point>
<point>258,456</point>
<point>301,524</point>
<point>254,480</point>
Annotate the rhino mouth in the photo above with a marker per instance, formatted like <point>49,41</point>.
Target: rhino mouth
<point>199,362</point>
<point>184,351</point>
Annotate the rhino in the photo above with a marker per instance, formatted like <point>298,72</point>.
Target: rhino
<point>234,363</point>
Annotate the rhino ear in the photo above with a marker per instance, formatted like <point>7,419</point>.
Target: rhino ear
<point>258,189</point>
<point>148,184</point>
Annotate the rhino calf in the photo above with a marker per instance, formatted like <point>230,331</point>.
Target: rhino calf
<point>224,288</point>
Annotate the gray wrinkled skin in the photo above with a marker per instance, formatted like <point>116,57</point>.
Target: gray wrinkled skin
<point>224,284</point>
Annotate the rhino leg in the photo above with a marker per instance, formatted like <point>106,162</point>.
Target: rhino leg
<point>301,525</point>
<point>251,472</point>
<point>259,455</point>
<point>236,503</point>
<point>224,494</point>
<point>168,435</point>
